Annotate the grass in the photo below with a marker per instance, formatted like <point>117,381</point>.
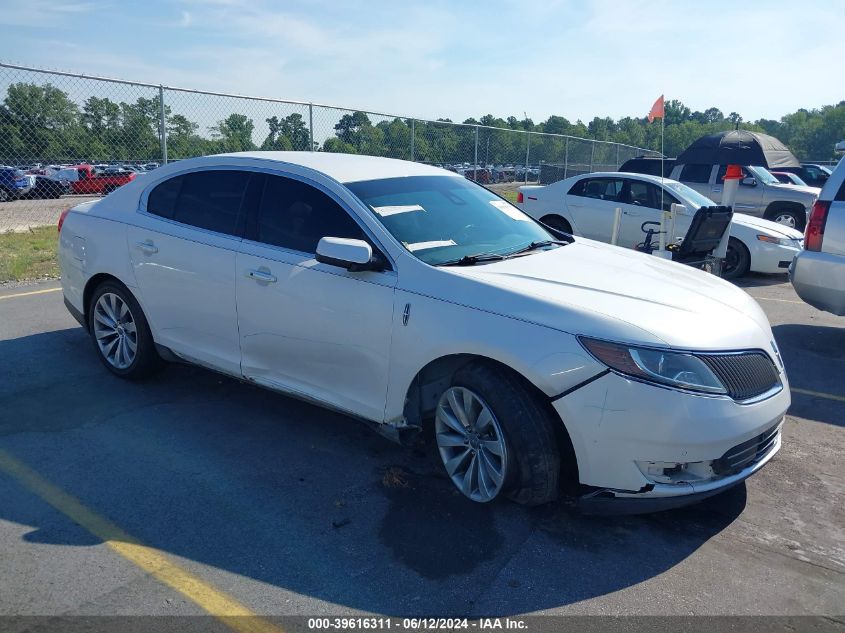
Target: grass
<point>29,255</point>
<point>510,196</point>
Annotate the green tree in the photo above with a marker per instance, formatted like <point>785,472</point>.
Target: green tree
<point>234,134</point>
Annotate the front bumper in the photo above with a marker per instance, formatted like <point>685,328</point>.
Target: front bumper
<point>666,497</point>
<point>616,425</point>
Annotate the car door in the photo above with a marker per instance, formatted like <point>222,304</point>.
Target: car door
<point>306,327</point>
<point>592,204</point>
<point>749,198</point>
<point>183,252</point>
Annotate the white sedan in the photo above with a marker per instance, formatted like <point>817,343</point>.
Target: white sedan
<point>420,302</point>
<point>585,205</point>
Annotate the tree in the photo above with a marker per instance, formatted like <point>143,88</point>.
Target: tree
<point>234,134</point>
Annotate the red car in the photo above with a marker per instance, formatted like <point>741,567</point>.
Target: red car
<point>91,182</point>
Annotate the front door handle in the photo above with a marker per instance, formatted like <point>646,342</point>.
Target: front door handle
<point>148,247</point>
<point>262,275</point>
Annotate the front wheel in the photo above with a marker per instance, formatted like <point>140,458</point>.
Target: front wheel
<point>120,333</point>
<point>789,217</point>
<point>496,437</point>
<point>737,260</point>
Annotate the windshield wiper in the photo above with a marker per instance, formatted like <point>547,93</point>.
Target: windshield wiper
<point>535,245</point>
<point>471,260</point>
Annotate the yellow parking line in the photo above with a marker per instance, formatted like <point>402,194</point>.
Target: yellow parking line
<point>773,299</point>
<point>818,394</point>
<point>30,293</point>
<point>225,608</point>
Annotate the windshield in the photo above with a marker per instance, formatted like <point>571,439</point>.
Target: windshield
<point>689,194</point>
<point>762,174</point>
<point>442,218</point>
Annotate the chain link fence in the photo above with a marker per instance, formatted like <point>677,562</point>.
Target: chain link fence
<point>66,138</point>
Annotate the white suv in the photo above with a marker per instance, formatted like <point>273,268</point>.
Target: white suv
<point>818,272</point>
<point>418,301</point>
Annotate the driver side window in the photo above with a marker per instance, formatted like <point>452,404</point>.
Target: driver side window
<point>295,215</point>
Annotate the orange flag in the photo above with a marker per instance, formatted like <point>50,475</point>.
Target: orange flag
<point>656,110</point>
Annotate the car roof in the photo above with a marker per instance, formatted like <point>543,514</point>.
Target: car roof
<point>657,180</point>
<point>345,167</point>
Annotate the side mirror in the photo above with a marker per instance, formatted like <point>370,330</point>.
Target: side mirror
<point>748,181</point>
<point>679,209</point>
<point>353,255</point>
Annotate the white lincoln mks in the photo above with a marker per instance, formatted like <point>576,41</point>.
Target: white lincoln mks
<point>418,301</point>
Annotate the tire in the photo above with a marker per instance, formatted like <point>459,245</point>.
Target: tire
<point>558,223</point>
<point>789,217</point>
<point>111,298</point>
<point>520,427</point>
<point>737,260</point>
<point>5,196</point>
<point>108,189</point>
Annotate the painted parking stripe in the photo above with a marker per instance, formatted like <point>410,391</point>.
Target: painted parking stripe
<point>30,293</point>
<point>818,394</point>
<point>154,562</point>
<point>774,299</point>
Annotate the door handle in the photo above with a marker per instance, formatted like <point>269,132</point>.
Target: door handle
<point>148,247</point>
<point>261,275</point>
<point>633,214</point>
<point>717,189</point>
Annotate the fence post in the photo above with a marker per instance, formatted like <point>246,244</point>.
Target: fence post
<point>566,158</point>
<point>310,127</point>
<point>527,148</point>
<point>592,154</point>
<point>475,165</point>
<point>617,156</point>
<point>412,139</point>
<point>162,124</point>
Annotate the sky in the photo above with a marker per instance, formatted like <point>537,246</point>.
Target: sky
<point>433,58</point>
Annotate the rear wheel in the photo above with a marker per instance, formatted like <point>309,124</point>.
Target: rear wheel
<point>5,196</point>
<point>496,437</point>
<point>558,223</point>
<point>737,260</point>
<point>120,333</point>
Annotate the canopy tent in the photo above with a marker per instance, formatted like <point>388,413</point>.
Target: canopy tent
<point>739,147</point>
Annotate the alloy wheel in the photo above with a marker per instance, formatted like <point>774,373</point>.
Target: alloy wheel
<point>115,331</point>
<point>471,444</point>
<point>787,219</point>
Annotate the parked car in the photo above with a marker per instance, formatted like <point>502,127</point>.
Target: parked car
<point>91,180</point>
<point>759,192</point>
<point>419,301</point>
<point>812,174</point>
<point>788,178</point>
<point>651,165</point>
<point>13,183</point>
<point>818,273</point>
<point>47,187</point>
<point>585,205</point>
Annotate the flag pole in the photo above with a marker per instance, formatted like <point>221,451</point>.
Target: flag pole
<point>662,155</point>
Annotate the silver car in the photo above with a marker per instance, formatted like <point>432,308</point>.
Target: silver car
<point>759,193</point>
<point>818,272</point>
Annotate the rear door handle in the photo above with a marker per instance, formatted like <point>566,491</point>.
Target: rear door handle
<point>261,275</point>
<point>148,247</point>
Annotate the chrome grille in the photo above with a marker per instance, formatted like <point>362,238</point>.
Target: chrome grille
<point>747,453</point>
<point>745,375</point>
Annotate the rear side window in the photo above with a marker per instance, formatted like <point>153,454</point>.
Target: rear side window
<point>162,199</point>
<point>296,215</point>
<point>208,200</point>
<point>840,195</point>
<point>696,173</point>
<point>608,189</point>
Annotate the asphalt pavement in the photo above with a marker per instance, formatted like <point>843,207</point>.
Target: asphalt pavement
<point>118,498</point>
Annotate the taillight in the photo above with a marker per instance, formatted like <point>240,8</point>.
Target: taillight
<point>519,198</point>
<point>814,233</point>
<point>62,218</point>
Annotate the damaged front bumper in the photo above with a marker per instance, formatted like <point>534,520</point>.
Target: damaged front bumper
<point>658,496</point>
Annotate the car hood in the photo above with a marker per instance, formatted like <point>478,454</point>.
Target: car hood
<point>812,191</point>
<point>595,289</point>
<point>766,226</point>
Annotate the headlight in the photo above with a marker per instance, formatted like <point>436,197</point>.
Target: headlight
<point>675,369</point>
<point>782,241</point>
